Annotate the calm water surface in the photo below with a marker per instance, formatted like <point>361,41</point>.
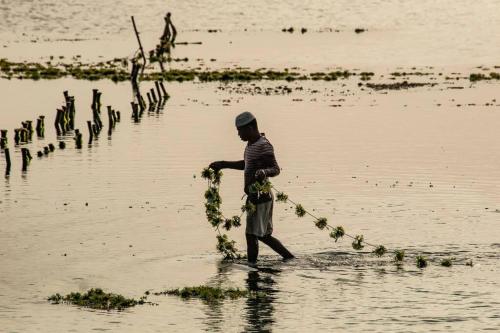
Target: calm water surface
<point>414,169</point>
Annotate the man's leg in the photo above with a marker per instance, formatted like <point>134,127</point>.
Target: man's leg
<point>276,245</point>
<point>252,248</point>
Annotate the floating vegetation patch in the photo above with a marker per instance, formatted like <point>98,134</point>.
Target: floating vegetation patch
<point>212,294</point>
<point>117,70</point>
<point>252,89</point>
<point>480,77</point>
<point>447,262</point>
<point>397,74</point>
<point>97,299</point>
<point>421,261</point>
<point>398,85</point>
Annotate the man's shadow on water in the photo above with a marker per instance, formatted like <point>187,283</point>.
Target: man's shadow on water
<point>258,311</point>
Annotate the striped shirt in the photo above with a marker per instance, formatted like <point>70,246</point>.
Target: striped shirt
<point>259,156</point>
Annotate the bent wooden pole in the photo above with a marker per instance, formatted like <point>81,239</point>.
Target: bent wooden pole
<point>140,45</point>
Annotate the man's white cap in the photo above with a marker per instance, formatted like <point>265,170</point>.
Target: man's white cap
<point>243,119</point>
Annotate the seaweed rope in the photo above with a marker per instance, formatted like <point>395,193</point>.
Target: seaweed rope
<point>228,249</point>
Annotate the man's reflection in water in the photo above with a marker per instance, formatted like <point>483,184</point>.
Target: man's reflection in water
<point>260,310</point>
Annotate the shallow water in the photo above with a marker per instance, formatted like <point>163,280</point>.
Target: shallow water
<point>399,33</point>
<point>415,169</point>
<point>367,166</point>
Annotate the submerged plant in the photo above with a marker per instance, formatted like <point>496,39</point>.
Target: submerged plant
<point>399,255</point>
<point>447,262</point>
<point>337,233</point>
<point>299,210</point>
<point>357,243</point>
<point>380,251</point>
<point>321,223</point>
<point>421,262</point>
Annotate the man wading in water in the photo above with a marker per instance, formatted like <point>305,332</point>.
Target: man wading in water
<point>259,163</point>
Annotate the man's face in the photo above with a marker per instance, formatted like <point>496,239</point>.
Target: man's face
<point>244,132</point>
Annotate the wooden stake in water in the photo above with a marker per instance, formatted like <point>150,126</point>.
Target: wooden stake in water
<point>110,120</point>
<point>113,113</point>
<point>153,94</point>
<point>7,160</point>
<point>157,85</point>
<point>40,126</point>
<point>165,94</point>
<point>91,132</point>
<point>3,139</point>
<point>16,135</point>
<point>95,130</point>
<point>135,112</point>
<point>26,158</point>
<point>57,121</point>
<point>78,139</point>
<point>29,128</point>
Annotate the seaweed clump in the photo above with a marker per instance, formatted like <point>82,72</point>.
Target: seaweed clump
<point>397,85</point>
<point>480,77</point>
<point>96,298</point>
<point>211,294</point>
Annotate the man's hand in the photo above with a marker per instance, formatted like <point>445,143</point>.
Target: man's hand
<point>260,175</point>
<point>216,166</point>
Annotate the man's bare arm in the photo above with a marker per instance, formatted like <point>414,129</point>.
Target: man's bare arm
<point>237,165</point>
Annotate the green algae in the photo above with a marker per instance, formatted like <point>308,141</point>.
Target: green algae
<point>96,298</point>
<point>380,251</point>
<point>480,77</point>
<point>299,210</point>
<point>399,255</point>
<point>117,71</point>
<point>321,223</point>
<point>212,294</point>
<point>398,85</point>
<point>421,261</point>
<point>337,233</point>
<point>357,243</point>
<point>447,262</point>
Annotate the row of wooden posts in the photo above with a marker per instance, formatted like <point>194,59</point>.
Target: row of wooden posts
<point>64,124</point>
<point>156,96</point>
<point>65,121</point>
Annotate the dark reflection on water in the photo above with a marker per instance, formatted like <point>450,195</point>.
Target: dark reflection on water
<point>260,311</point>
